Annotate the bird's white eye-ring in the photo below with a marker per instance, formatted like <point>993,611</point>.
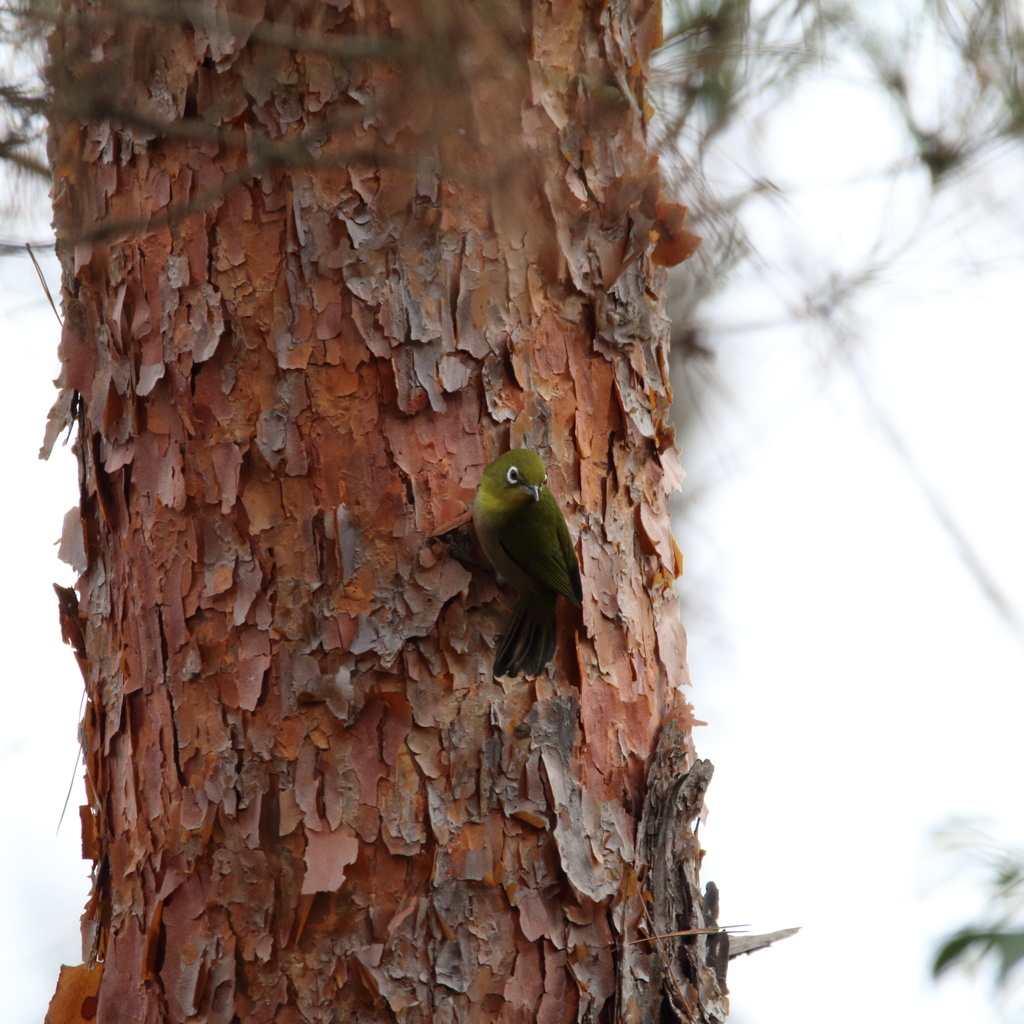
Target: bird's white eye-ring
<point>512,476</point>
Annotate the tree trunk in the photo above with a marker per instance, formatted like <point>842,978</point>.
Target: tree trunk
<point>322,263</point>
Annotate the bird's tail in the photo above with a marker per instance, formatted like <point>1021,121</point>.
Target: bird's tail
<point>529,642</point>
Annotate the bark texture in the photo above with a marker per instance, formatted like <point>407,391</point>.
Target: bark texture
<point>308,798</point>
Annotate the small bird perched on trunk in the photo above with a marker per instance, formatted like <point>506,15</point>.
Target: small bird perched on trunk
<point>522,531</point>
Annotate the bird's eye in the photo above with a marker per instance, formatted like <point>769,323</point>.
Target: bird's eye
<point>513,475</point>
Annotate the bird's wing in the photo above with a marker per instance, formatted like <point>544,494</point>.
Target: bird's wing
<point>569,560</point>
<point>538,542</point>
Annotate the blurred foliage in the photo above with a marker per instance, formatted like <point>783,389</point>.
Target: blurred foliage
<point>946,73</point>
<point>950,69</point>
<point>23,97</point>
<point>997,937</point>
<point>943,78</point>
<point>950,72</point>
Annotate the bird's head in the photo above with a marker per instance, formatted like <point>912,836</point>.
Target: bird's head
<point>513,480</point>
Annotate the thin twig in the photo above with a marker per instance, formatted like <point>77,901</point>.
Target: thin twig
<point>732,929</point>
<point>665,957</point>
<point>968,554</point>
<point>71,784</point>
<point>18,248</point>
<point>42,281</point>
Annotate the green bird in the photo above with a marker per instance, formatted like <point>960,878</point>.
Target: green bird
<point>523,533</point>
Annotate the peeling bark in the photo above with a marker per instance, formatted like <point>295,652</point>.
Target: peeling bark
<point>308,798</point>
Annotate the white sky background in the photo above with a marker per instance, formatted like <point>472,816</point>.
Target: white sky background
<point>45,879</point>
<point>859,689</point>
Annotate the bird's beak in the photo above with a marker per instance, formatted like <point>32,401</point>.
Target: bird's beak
<point>535,491</point>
